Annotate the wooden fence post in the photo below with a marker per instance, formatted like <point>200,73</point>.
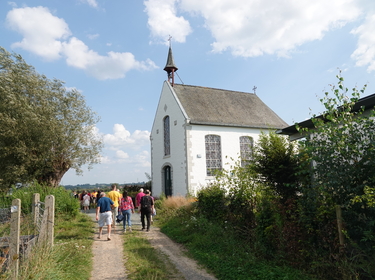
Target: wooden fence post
<point>339,225</point>
<point>35,207</point>
<point>14,246</point>
<point>50,208</point>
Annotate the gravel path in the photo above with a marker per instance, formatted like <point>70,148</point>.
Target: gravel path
<point>106,253</point>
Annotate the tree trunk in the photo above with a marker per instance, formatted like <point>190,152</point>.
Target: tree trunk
<point>53,179</point>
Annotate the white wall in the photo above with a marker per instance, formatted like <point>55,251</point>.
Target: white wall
<point>168,106</point>
<point>230,148</point>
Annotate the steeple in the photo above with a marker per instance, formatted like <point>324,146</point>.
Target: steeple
<point>170,67</point>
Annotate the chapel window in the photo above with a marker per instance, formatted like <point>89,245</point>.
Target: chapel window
<point>167,142</point>
<point>246,149</point>
<point>213,154</point>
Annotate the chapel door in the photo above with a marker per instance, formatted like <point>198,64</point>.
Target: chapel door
<point>167,181</point>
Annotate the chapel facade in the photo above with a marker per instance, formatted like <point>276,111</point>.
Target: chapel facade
<point>197,130</point>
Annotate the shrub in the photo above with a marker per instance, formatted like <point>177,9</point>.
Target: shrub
<point>212,202</point>
<point>64,201</point>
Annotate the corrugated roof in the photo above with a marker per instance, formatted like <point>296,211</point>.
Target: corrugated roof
<point>366,103</point>
<point>212,106</point>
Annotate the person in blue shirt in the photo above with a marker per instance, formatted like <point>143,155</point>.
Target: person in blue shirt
<point>105,218</point>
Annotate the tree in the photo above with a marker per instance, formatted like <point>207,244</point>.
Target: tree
<point>342,146</point>
<point>342,149</point>
<point>45,128</point>
<point>276,160</point>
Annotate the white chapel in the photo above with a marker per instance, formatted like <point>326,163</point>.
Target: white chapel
<point>197,130</point>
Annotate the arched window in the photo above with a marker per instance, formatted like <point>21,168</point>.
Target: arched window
<point>246,149</point>
<point>167,142</point>
<point>213,154</point>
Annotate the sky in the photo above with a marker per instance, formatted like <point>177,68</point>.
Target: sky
<point>114,52</point>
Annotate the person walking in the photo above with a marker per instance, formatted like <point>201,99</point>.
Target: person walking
<point>146,207</point>
<point>105,218</point>
<point>153,214</point>
<point>138,197</point>
<point>86,202</point>
<point>115,196</point>
<point>127,209</point>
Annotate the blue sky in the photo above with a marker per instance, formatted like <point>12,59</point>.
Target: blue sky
<point>114,53</point>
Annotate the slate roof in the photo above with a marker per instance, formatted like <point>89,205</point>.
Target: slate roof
<point>210,106</point>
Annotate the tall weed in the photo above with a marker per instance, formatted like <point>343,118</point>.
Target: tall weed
<point>64,201</point>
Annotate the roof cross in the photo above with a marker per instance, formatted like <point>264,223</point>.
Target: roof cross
<point>170,40</point>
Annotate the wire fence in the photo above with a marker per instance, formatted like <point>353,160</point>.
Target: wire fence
<point>15,248</point>
<point>39,213</point>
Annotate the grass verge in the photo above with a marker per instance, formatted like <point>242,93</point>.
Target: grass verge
<point>70,257</point>
<point>219,250</point>
<point>145,262</point>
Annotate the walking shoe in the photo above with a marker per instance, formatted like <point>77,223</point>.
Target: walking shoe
<point>124,230</point>
<point>142,229</point>
<point>130,229</point>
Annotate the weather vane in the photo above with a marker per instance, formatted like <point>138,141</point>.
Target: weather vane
<point>254,89</point>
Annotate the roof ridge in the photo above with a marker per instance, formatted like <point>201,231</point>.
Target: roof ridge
<point>228,90</point>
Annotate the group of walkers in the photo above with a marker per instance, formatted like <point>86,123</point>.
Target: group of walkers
<point>110,206</point>
<point>86,199</point>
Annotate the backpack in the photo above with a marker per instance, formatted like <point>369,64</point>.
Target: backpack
<point>146,202</point>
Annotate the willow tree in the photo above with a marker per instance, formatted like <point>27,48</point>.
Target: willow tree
<point>45,128</point>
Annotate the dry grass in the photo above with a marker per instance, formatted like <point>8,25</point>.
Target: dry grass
<point>175,202</point>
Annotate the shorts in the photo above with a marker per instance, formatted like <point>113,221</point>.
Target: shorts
<point>86,203</point>
<point>105,219</point>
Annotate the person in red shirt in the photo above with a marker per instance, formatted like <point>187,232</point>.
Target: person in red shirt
<point>127,209</point>
<point>138,197</point>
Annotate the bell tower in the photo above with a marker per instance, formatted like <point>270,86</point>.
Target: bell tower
<point>170,67</point>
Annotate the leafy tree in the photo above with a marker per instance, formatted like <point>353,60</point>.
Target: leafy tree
<point>45,128</point>
<point>342,146</point>
<point>276,160</point>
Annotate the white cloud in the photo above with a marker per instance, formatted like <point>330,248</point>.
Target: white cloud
<point>253,28</point>
<point>121,154</point>
<point>105,160</point>
<point>365,52</point>
<point>123,138</point>
<point>142,159</point>
<point>12,4</point>
<point>92,3</point>
<point>49,37</point>
<point>42,32</point>
<point>125,147</point>
<point>163,21</point>
<point>93,36</point>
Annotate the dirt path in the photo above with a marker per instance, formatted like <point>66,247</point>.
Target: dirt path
<point>107,252</point>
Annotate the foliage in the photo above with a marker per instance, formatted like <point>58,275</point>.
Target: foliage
<point>342,145</point>
<point>69,259</point>
<point>212,202</point>
<point>241,192</point>
<point>219,248</point>
<point>64,201</point>
<point>342,148</point>
<point>275,159</point>
<point>45,128</point>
